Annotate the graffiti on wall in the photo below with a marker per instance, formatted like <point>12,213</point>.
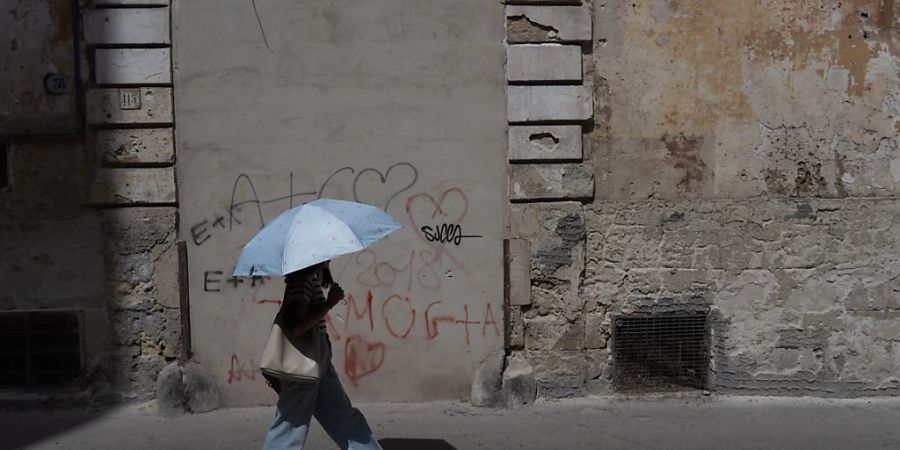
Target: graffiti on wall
<point>391,298</point>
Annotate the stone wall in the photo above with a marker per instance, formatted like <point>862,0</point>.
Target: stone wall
<point>129,133</point>
<point>745,163</point>
<point>803,294</point>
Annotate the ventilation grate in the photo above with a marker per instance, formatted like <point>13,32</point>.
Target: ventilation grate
<point>40,348</point>
<point>4,165</point>
<point>660,352</point>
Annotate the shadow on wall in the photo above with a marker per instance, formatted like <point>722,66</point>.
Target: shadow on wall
<point>415,444</point>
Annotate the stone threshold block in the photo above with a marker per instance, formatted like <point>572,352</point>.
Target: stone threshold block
<point>537,182</point>
<point>141,26</point>
<point>518,267</point>
<point>543,2</point>
<point>129,106</point>
<point>543,62</point>
<point>131,2</point>
<point>548,24</point>
<point>145,186</point>
<point>545,143</point>
<point>133,66</point>
<point>549,103</point>
<point>136,146</point>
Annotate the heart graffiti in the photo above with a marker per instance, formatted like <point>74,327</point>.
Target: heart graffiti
<point>362,358</point>
<point>394,189</point>
<point>451,207</point>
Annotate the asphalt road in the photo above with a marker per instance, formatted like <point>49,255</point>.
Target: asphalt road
<point>588,423</point>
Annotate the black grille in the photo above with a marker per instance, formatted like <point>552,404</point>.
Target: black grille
<point>660,352</point>
<point>39,348</point>
<point>4,165</point>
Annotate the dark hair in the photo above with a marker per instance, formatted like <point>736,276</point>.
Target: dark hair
<point>327,279</point>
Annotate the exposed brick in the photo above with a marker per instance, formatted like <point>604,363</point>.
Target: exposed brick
<point>543,62</point>
<point>133,66</point>
<point>549,103</point>
<point>550,142</point>
<point>134,186</point>
<point>551,182</point>
<point>548,24</point>
<point>126,26</point>
<point>104,106</point>
<point>136,146</point>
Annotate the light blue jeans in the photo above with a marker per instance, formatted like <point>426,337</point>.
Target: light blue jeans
<point>327,401</point>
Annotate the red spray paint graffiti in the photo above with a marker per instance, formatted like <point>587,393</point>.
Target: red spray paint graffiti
<point>362,358</point>
<point>240,371</point>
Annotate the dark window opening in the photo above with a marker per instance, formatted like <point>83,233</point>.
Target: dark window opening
<point>40,348</point>
<point>661,352</point>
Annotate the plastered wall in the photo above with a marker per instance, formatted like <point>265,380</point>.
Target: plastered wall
<point>399,104</point>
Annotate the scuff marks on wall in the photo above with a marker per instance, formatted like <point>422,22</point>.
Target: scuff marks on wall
<point>845,35</point>
<point>822,76</point>
<point>685,153</point>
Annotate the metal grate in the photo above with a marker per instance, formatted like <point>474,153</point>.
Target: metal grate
<point>4,165</point>
<point>660,352</point>
<point>39,348</point>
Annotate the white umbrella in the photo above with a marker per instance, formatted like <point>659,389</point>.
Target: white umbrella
<point>311,233</point>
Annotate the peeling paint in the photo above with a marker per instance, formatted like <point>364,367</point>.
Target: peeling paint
<point>521,28</point>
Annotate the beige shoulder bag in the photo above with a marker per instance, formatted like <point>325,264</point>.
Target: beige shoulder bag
<point>289,357</point>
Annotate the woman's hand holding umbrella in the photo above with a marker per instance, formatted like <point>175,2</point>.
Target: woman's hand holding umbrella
<point>335,295</point>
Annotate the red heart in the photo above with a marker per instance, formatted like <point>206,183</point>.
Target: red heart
<point>362,358</point>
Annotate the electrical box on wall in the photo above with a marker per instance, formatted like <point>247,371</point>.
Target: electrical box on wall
<point>38,91</point>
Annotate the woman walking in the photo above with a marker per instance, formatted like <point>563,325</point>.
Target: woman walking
<point>303,311</point>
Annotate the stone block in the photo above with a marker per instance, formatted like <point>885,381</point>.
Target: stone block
<point>519,383</point>
<point>551,182</point>
<point>133,66</point>
<point>543,62</point>
<point>515,323</point>
<point>556,232</point>
<point>548,24</point>
<point>129,106</point>
<point>139,230</point>
<point>519,266</point>
<point>126,26</point>
<point>549,103</point>
<point>170,397</point>
<point>203,394</point>
<point>595,333</point>
<point>487,385</point>
<point>136,146</point>
<point>131,2</point>
<point>171,337</point>
<point>165,278</point>
<point>560,373</point>
<point>545,143</point>
<point>134,186</point>
<point>543,2</point>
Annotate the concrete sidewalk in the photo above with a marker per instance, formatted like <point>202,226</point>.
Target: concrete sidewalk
<point>588,423</point>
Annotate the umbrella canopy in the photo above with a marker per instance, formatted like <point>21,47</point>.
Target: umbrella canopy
<point>311,233</point>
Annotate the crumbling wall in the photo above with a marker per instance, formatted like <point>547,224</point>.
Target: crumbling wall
<point>131,154</point>
<point>746,162</point>
<point>803,293</point>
